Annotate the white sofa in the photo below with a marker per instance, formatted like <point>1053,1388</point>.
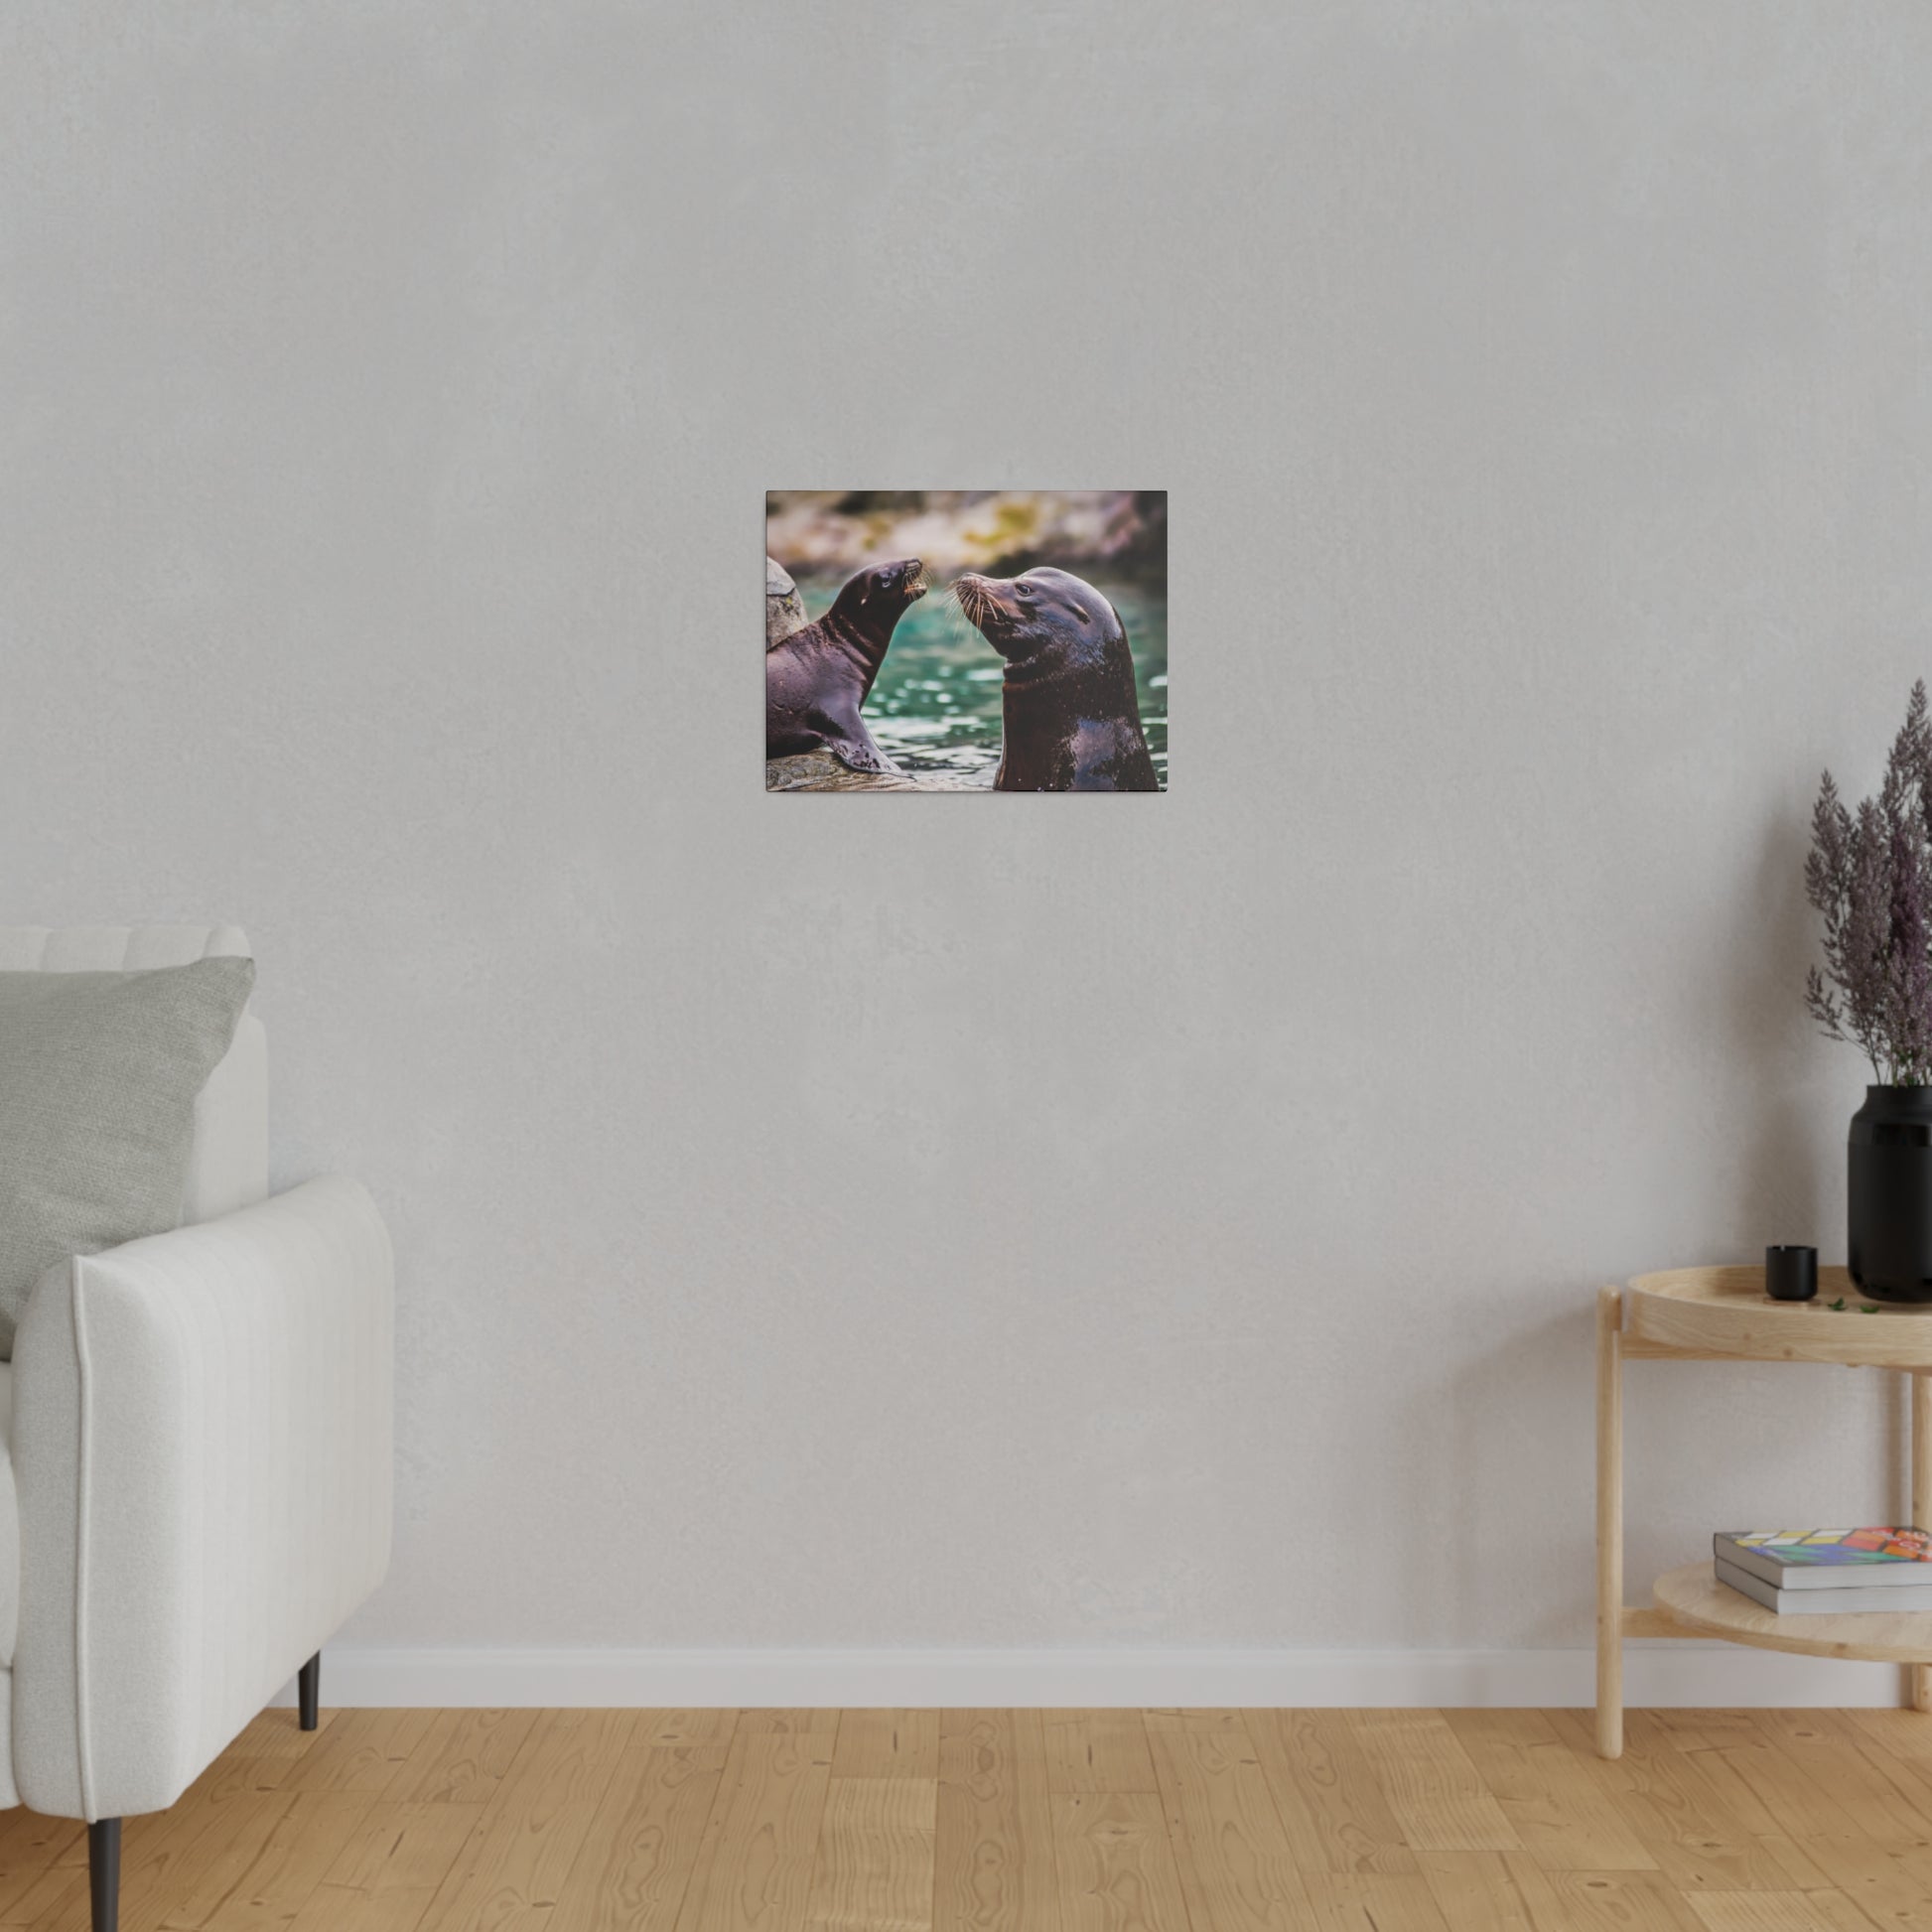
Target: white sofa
<point>199,1462</point>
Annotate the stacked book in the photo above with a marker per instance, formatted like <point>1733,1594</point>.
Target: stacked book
<point>1827,1573</point>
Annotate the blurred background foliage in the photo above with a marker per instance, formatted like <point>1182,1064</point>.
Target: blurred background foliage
<point>935,706</point>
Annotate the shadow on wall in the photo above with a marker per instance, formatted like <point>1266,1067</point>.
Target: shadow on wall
<point>1765,1032</point>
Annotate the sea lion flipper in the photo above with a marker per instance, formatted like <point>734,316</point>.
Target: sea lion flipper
<point>860,754</point>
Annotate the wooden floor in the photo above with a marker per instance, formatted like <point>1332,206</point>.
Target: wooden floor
<point>1028,1821</point>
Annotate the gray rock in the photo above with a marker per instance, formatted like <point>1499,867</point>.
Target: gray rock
<point>821,771</point>
<point>784,611</point>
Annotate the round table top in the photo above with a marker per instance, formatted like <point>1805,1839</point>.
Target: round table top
<point>1694,1598</point>
<point>1725,1311</point>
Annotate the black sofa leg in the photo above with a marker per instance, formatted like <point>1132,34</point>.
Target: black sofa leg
<point>104,1872</point>
<point>307,1689</point>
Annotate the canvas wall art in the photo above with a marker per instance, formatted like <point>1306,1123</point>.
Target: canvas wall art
<point>966,640</point>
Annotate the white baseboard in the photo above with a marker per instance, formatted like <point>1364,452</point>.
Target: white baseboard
<point>1655,1674</point>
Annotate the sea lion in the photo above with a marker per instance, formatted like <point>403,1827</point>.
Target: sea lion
<point>816,679</point>
<point>1072,720</point>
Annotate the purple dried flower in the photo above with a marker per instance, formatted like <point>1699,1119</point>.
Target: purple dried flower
<point>1908,975</point>
<point>1869,876</point>
<point>1829,865</point>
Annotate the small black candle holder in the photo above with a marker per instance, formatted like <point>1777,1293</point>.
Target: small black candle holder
<point>1791,1273</point>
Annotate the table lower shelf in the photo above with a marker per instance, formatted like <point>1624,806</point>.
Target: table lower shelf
<point>1694,1600</point>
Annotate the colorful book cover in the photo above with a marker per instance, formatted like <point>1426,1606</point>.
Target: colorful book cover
<point>1823,1549</point>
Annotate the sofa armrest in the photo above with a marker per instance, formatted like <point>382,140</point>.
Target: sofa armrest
<point>203,1450</point>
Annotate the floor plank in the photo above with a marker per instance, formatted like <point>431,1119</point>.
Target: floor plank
<point>1373,1901</point>
<point>386,1877</point>
<point>1821,1748</point>
<point>1237,1871</point>
<point>887,1744</point>
<point>1332,1809</point>
<point>292,1861</point>
<point>757,1871</point>
<point>686,1726</point>
<point>1696,1840</point>
<point>799,1723</point>
<point>184,1878</point>
<point>645,1841</point>
<point>1097,1750</point>
<point>1618,1901</point>
<point>1436,1795</point>
<point>1779,1911</point>
<point>1552,1796</point>
<point>1891,1885</point>
<point>277,1734</point>
<point>873,1867</point>
<point>30,1847</point>
<point>1775,1795</point>
<point>993,1857</point>
<point>1497,1891</point>
<point>361,1750</point>
<point>512,1867</point>
<point>463,1758</point>
<point>1117,1870</point>
<point>1021,1821</point>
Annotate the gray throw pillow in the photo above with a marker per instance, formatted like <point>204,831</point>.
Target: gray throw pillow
<point>98,1076</point>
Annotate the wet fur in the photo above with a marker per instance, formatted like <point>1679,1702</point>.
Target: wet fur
<point>817,680</point>
<point>1071,717</point>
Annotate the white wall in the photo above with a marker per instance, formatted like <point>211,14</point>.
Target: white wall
<point>1009,1222</point>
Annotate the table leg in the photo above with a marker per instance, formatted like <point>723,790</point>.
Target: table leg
<point>1610,1523</point>
<point>1921,1384</point>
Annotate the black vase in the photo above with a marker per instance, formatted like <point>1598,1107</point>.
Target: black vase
<point>1891,1194</point>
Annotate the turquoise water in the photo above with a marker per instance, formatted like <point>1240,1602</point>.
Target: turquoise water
<point>935,704</point>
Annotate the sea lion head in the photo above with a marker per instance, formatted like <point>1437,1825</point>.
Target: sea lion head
<point>876,598</point>
<point>1046,614</point>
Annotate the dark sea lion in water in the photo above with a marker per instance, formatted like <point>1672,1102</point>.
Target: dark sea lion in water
<point>816,679</point>
<point>1072,720</point>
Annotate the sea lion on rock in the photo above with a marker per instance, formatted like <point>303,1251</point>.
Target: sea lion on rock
<point>1072,720</point>
<point>816,679</point>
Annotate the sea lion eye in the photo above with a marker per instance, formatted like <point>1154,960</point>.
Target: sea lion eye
<point>1026,590</point>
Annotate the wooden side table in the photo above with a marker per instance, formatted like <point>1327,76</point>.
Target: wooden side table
<point>1708,1315</point>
